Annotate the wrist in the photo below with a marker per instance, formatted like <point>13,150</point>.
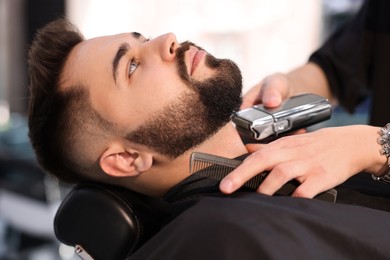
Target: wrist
<point>384,141</point>
<point>309,78</point>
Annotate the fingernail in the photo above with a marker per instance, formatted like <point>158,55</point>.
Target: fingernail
<point>271,99</point>
<point>226,186</point>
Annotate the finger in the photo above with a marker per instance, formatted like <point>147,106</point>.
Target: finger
<point>249,102</point>
<point>264,158</point>
<point>297,132</point>
<point>300,131</point>
<point>274,90</point>
<point>309,188</point>
<point>252,97</point>
<point>316,183</point>
<point>256,163</point>
<point>250,167</point>
<point>279,176</point>
<point>271,98</point>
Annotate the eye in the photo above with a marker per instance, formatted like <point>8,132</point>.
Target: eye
<point>132,66</point>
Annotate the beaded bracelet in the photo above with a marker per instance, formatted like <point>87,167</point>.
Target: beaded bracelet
<point>384,141</point>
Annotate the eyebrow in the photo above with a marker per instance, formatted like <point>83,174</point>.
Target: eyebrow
<point>136,35</point>
<point>122,50</point>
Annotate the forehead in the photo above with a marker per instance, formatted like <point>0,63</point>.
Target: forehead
<point>102,42</point>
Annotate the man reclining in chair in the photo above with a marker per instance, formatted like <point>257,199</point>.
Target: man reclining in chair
<point>129,111</point>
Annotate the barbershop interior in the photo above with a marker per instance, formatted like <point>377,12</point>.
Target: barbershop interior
<point>261,36</point>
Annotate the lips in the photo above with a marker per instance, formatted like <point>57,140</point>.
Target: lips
<point>195,57</point>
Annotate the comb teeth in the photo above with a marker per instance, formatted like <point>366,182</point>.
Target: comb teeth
<point>200,161</point>
<point>217,167</point>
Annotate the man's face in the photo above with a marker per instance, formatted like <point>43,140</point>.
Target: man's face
<point>166,96</point>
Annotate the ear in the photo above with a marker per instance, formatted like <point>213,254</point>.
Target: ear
<point>118,162</point>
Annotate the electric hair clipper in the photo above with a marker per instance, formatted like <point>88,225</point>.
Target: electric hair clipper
<point>297,112</point>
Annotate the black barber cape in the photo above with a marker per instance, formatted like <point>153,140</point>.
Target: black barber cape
<point>206,224</point>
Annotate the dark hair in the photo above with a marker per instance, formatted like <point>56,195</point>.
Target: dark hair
<point>57,117</point>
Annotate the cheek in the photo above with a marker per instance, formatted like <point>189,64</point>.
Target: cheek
<point>156,86</point>
<point>115,106</point>
<point>144,98</point>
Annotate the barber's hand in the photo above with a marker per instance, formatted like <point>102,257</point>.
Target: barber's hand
<point>319,160</point>
<point>270,91</point>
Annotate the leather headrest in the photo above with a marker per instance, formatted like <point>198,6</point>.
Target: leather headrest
<point>108,222</point>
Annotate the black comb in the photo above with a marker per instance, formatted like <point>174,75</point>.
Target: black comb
<point>217,167</point>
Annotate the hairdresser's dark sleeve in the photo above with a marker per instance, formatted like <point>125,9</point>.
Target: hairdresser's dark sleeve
<point>252,226</point>
<point>356,60</point>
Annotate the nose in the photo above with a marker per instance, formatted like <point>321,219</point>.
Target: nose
<point>167,46</point>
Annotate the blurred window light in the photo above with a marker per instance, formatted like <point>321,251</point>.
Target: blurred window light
<point>261,36</point>
<point>4,114</point>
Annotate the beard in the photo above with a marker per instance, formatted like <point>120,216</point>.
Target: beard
<point>198,113</point>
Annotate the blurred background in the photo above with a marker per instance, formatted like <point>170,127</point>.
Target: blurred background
<point>261,36</point>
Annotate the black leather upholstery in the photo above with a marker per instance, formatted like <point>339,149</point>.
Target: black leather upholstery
<point>108,222</point>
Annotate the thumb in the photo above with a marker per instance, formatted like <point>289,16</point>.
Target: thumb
<point>275,89</point>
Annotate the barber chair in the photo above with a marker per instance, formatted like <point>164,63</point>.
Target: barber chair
<point>106,222</point>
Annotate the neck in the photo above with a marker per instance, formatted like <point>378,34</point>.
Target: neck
<point>167,173</point>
